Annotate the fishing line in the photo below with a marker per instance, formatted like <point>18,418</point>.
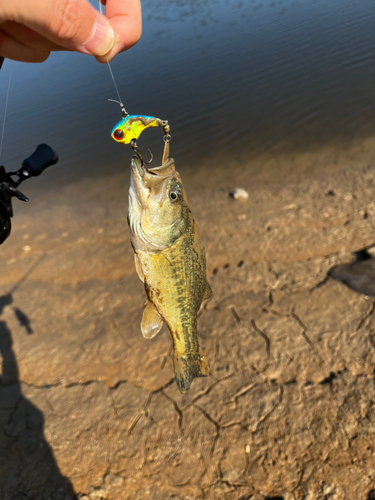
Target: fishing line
<point>5,110</point>
<point>111,72</point>
<point>130,127</point>
<point>114,82</point>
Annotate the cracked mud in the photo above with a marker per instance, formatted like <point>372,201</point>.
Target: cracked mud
<point>89,408</point>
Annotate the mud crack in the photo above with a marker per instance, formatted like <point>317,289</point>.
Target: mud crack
<point>264,336</point>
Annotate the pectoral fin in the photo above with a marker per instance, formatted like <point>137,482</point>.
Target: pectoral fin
<point>138,268</point>
<point>151,321</point>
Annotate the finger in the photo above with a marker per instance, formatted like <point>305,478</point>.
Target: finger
<point>72,24</point>
<point>12,49</point>
<point>125,17</point>
<point>29,37</point>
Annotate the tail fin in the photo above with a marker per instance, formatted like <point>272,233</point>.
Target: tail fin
<point>187,367</point>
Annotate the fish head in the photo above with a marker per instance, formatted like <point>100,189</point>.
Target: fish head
<point>158,211</point>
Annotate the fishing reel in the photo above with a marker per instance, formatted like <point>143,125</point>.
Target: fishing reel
<point>44,156</point>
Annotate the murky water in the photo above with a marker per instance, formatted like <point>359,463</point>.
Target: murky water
<point>234,78</point>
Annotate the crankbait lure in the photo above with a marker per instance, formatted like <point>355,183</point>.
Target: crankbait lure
<point>130,128</point>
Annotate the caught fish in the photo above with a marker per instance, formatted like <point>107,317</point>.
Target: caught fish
<point>170,260</point>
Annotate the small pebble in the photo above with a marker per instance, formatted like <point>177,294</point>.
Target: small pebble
<point>26,248</point>
<point>239,194</point>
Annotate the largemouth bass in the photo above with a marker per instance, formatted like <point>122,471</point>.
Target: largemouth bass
<point>170,260</point>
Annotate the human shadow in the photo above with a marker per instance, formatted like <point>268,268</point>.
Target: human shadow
<point>28,469</point>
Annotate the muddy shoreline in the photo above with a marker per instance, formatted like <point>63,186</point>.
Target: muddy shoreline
<point>289,408</point>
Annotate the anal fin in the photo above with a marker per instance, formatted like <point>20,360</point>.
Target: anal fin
<point>151,321</point>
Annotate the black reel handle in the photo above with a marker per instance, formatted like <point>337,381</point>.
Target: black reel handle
<point>43,157</point>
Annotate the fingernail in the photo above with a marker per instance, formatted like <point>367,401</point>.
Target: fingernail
<point>101,39</point>
<point>118,47</point>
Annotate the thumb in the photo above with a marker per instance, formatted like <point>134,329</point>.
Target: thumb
<point>71,24</point>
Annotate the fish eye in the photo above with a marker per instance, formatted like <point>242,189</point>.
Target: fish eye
<point>118,134</point>
<point>173,195</point>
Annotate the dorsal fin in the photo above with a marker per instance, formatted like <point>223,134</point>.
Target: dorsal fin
<point>207,292</point>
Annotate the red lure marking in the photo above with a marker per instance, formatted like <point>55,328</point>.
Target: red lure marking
<point>118,134</point>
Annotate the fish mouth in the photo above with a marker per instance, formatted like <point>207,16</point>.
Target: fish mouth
<point>163,171</point>
<point>150,177</point>
<point>146,180</point>
<point>138,167</point>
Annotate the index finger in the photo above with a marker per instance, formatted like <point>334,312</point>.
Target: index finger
<point>125,17</point>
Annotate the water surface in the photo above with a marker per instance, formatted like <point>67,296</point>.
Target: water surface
<point>234,78</point>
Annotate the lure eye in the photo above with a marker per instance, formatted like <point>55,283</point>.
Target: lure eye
<point>173,195</point>
<point>118,134</point>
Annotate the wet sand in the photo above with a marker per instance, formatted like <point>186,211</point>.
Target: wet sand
<point>288,411</point>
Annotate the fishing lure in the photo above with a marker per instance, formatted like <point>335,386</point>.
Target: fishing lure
<point>130,127</point>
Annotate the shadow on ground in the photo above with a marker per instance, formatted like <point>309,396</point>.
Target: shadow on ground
<point>358,275</point>
<point>28,469</point>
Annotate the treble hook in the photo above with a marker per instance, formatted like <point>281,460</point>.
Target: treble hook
<point>151,157</point>
<point>137,152</point>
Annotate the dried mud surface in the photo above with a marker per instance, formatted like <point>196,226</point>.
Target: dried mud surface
<point>89,408</point>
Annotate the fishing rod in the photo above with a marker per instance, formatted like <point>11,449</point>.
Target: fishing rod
<point>43,157</point>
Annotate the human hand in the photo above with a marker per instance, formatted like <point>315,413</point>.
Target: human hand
<point>31,29</point>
